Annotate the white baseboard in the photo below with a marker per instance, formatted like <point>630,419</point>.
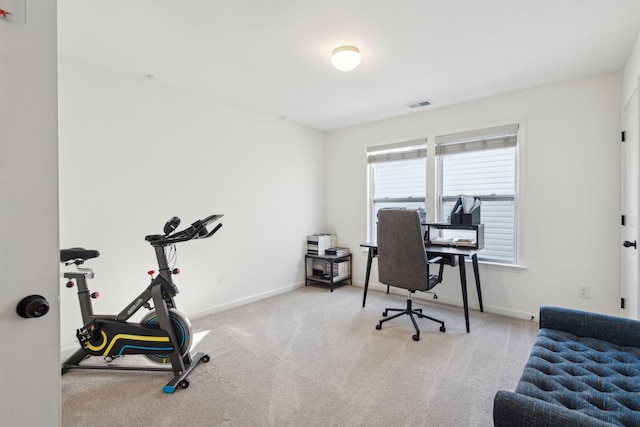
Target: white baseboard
<point>246,300</point>
<point>454,302</point>
<point>66,352</point>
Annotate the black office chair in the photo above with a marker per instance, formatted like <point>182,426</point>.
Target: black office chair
<point>403,263</point>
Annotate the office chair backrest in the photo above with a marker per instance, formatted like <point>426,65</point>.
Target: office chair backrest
<point>402,260</point>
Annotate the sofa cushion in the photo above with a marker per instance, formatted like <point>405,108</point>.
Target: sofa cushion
<point>591,376</point>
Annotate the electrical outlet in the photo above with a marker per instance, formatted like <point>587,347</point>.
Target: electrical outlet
<point>584,291</point>
<point>220,279</point>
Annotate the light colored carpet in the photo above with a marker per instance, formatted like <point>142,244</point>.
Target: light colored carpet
<point>314,358</point>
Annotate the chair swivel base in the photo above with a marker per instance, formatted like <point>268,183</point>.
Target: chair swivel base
<point>410,312</point>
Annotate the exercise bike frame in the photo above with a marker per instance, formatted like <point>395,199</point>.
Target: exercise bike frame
<point>161,291</point>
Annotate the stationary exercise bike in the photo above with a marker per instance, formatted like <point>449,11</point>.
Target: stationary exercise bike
<point>163,335</point>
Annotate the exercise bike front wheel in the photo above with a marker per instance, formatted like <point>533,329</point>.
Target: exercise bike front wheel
<point>181,328</point>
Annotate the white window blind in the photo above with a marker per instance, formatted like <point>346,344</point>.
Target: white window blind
<point>483,164</point>
<point>397,177</point>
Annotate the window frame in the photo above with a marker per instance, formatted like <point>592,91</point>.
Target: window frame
<point>411,145</point>
<point>484,141</point>
<point>433,203</point>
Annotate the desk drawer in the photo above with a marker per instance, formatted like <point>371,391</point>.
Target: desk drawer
<point>447,259</point>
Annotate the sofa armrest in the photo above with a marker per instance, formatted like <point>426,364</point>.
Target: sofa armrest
<point>514,409</point>
<point>617,330</point>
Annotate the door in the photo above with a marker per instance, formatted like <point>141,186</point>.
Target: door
<point>30,356</point>
<point>630,189</point>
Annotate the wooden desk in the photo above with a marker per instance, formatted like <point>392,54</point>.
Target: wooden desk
<point>432,251</point>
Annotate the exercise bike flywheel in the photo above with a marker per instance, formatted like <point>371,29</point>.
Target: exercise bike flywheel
<point>181,328</point>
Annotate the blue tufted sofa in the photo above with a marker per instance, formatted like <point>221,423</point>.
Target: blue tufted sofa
<point>583,370</point>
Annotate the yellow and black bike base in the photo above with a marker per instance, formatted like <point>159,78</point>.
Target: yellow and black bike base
<point>179,379</point>
<point>111,339</point>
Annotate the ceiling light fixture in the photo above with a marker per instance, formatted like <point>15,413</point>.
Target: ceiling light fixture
<point>345,58</point>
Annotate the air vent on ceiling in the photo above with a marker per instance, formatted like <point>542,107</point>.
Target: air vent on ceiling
<point>419,104</point>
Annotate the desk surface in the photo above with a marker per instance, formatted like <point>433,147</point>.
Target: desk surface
<point>449,250</point>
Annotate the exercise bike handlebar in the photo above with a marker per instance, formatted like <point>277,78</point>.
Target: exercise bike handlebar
<point>197,230</point>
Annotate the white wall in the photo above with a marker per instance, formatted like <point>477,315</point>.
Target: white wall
<point>29,358</point>
<point>570,201</point>
<point>631,72</point>
<point>631,81</point>
<point>134,153</point>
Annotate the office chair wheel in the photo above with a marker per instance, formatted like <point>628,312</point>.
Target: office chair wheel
<point>378,326</point>
<point>384,313</point>
<point>443,329</point>
<point>435,296</point>
<point>416,337</point>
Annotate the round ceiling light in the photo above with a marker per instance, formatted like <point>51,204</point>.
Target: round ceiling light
<point>345,58</point>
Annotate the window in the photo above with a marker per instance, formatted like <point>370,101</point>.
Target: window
<point>482,164</point>
<point>397,178</point>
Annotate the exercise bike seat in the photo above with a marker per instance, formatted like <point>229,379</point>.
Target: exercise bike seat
<point>78,253</point>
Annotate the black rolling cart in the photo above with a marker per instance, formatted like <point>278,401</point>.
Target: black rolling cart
<point>335,269</point>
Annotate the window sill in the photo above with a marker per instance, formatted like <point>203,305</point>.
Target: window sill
<point>501,265</point>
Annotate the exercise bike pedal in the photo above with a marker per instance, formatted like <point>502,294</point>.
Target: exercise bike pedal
<point>87,333</point>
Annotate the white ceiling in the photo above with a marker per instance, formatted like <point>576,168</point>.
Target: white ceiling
<point>272,56</point>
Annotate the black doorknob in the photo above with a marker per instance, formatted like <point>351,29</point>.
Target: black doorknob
<point>33,306</point>
<point>628,244</point>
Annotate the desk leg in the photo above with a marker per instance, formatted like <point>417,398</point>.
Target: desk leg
<point>474,259</point>
<point>331,271</point>
<point>368,273</point>
<point>463,284</point>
